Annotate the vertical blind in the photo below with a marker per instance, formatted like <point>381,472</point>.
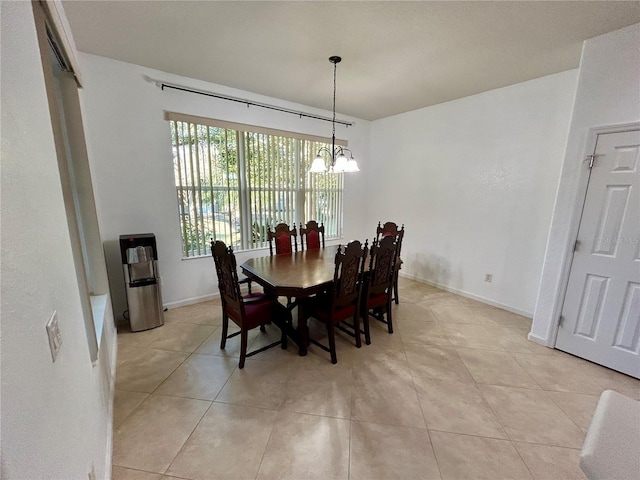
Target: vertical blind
<point>233,184</point>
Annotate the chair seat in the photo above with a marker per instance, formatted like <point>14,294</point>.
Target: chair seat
<point>378,300</point>
<point>258,309</point>
<point>318,308</point>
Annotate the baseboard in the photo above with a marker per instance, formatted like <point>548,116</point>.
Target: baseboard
<point>470,295</point>
<point>488,301</point>
<point>112,387</point>
<point>191,301</point>
<point>539,340</point>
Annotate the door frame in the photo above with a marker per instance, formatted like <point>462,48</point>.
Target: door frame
<point>576,218</point>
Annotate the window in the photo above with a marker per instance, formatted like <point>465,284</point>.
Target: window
<point>75,176</point>
<point>234,181</point>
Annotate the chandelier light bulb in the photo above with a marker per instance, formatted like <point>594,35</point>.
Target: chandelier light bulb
<point>318,165</point>
<point>341,163</point>
<point>352,166</point>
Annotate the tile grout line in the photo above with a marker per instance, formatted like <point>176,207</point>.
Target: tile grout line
<point>187,440</point>
<point>426,423</point>
<point>351,402</point>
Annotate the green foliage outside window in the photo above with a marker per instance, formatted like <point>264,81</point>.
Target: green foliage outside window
<point>232,185</point>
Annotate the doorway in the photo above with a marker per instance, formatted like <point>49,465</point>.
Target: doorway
<point>600,318</point>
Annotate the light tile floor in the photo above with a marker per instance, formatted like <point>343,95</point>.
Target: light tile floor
<point>457,392</point>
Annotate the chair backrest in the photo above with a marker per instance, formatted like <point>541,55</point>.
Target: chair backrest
<point>282,237</point>
<point>381,264</point>
<point>312,234</point>
<point>226,269</point>
<point>391,229</point>
<point>347,276</point>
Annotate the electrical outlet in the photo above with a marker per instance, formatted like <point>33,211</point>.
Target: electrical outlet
<point>55,338</point>
<point>488,277</point>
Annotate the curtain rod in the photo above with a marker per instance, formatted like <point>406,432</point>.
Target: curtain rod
<point>249,103</point>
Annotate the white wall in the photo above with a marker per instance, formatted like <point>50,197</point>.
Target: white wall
<point>130,150</point>
<point>608,93</point>
<point>55,418</point>
<point>473,181</point>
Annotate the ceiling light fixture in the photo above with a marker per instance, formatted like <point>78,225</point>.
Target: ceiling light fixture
<point>338,161</point>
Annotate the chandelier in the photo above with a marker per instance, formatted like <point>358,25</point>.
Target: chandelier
<point>338,161</point>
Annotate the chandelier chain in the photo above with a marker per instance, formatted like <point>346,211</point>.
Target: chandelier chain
<point>335,66</point>
<point>339,162</point>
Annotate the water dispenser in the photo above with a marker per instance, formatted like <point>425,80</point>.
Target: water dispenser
<point>142,280</point>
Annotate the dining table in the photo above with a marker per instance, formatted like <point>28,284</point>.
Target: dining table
<point>298,275</point>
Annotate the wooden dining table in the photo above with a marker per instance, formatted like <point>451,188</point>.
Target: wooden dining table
<point>299,275</point>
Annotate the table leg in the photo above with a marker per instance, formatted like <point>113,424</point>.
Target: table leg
<point>303,330</point>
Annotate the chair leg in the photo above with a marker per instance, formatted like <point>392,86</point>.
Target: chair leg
<point>356,329</point>
<point>249,286</point>
<point>367,331</point>
<point>389,317</point>
<point>225,328</point>
<point>395,288</point>
<point>332,342</point>
<point>243,347</point>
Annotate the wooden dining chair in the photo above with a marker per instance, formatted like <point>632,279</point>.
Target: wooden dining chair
<point>378,285</point>
<point>282,236</point>
<point>391,229</point>
<point>249,311</point>
<point>342,301</point>
<point>311,235</point>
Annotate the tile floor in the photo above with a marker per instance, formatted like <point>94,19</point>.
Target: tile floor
<point>457,392</point>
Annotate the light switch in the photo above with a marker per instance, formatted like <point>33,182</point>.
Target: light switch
<point>55,338</point>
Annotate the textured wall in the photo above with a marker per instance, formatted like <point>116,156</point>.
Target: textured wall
<point>55,416</point>
<point>473,181</point>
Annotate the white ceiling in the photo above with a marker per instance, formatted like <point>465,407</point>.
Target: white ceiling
<point>397,56</point>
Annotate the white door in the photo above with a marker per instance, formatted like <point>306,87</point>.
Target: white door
<point>601,312</point>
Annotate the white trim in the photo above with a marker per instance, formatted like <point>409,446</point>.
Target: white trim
<point>576,216</point>
<point>463,293</point>
<point>472,296</point>
<point>539,340</point>
<point>60,24</point>
<point>191,301</point>
<point>112,388</point>
<point>98,307</point>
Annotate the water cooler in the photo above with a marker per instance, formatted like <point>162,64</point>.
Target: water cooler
<point>142,280</point>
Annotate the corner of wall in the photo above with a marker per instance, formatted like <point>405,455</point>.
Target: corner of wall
<point>603,69</point>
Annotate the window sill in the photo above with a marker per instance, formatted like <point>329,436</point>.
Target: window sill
<point>99,308</point>
<point>255,251</point>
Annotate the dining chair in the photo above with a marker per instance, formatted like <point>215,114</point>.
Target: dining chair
<point>282,237</point>
<point>312,235</point>
<point>391,229</point>
<point>378,285</point>
<point>249,311</point>
<point>341,301</point>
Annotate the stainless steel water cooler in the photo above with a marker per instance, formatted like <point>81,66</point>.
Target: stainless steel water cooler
<point>142,280</point>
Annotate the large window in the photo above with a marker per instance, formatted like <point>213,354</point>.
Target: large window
<point>234,181</point>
